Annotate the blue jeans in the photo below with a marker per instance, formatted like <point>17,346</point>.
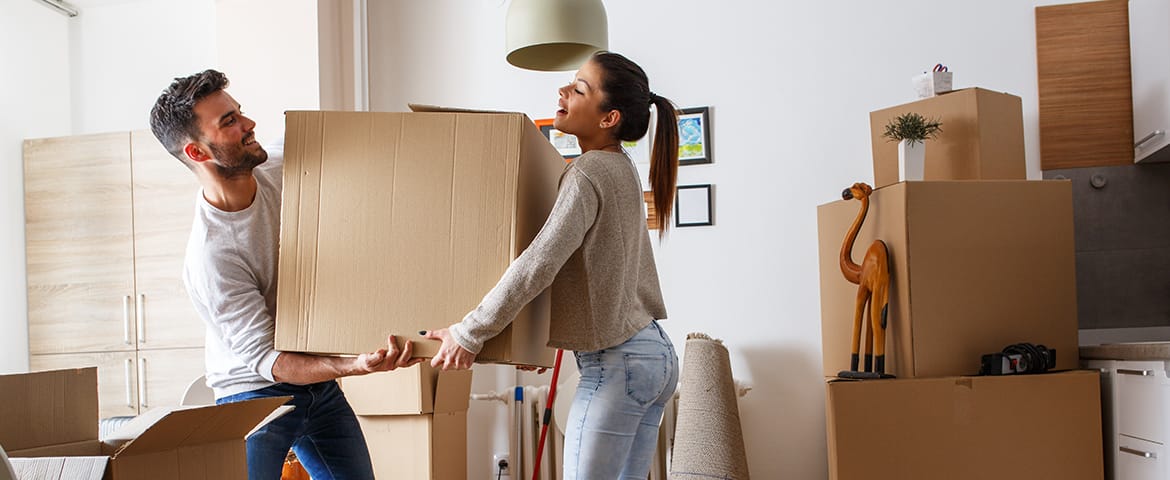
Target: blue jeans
<point>322,430</point>
<point>613,423</point>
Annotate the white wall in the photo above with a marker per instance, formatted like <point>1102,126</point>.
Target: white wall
<point>35,99</point>
<point>268,49</point>
<point>124,53</point>
<point>791,85</point>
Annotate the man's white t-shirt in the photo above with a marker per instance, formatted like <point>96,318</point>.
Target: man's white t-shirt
<point>230,274</point>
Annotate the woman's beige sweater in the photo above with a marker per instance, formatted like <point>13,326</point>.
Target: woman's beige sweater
<point>594,250</point>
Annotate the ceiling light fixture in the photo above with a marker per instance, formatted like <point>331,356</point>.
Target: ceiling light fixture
<point>555,35</point>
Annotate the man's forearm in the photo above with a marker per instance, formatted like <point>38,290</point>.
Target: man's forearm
<point>303,369</point>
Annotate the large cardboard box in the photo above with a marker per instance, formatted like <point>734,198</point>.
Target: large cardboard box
<point>982,137</point>
<point>54,415</point>
<point>975,265</point>
<point>400,222</point>
<point>421,404</point>
<point>1044,427</point>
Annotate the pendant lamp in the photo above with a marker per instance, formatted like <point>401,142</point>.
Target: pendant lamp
<point>555,35</point>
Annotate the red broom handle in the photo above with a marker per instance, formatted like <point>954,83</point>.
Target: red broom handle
<point>552,395</point>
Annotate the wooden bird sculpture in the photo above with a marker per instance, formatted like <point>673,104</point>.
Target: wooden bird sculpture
<point>872,278</point>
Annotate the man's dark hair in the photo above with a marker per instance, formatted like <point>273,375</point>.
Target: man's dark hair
<point>173,117</point>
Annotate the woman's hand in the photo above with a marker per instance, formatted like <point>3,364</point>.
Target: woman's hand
<point>451,356</point>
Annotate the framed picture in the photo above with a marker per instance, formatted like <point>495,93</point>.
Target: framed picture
<point>692,206</point>
<point>694,136</point>
<point>565,143</point>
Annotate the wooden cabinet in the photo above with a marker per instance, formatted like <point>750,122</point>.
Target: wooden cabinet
<point>131,382</point>
<point>1083,85</point>
<point>106,223</point>
<point>1149,40</point>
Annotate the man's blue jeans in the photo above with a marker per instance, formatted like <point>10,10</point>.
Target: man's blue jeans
<point>322,430</point>
<point>612,429</point>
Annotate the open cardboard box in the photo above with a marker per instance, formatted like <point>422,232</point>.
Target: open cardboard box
<point>50,421</point>
<point>419,403</point>
<point>401,222</point>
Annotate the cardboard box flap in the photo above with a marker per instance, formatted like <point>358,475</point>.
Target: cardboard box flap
<point>453,392</point>
<point>60,468</point>
<point>175,427</point>
<point>48,408</point>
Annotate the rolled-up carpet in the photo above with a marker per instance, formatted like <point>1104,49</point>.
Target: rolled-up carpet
<point>708,440</point>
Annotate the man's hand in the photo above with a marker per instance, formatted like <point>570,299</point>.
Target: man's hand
<point>385,359</point>
<point>451,356</point>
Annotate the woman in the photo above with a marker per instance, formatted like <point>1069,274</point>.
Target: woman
<point>595,253</point>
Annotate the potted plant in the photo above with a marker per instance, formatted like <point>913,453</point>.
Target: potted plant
<point>911,130</point>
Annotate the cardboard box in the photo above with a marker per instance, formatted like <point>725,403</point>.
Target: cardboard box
<point>55,414</point>
<point>421,404</point>
<point>431,446</point>
<point>982,137</point>
<point>1045,426</point>
<point>400,222</point>
<point>408,391</point>
<point>975,267</point>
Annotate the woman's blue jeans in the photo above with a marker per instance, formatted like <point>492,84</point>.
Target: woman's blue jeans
<point>322,430</point>
<point>613,423</point>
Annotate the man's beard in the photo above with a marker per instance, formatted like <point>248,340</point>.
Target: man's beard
<point>236,161</point>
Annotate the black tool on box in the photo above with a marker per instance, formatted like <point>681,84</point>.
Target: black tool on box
<point>1019,358</point>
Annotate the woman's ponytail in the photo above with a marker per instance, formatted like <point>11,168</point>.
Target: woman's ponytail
<point>664,161</point>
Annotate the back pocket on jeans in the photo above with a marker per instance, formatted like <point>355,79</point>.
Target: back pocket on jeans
<point>645,377</point>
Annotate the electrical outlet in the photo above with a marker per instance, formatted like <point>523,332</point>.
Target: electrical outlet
<point>501,466</point>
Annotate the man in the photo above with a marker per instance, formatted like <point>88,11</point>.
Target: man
<point>230,274</point>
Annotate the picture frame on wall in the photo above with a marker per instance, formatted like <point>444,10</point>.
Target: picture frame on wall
<point>692,206</point>
<point>694,136</point>
<point>566,144</point>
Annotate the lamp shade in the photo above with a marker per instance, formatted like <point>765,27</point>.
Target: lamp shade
<point>555,35</point>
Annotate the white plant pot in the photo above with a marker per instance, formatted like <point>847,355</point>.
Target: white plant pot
<point>911,160</point>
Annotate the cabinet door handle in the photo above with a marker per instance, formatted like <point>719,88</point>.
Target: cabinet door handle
<point>129,391</point>
<point>1147,138</point>
<point>1137,452</point>
<point>126,319</point>
<point>141,314</point>
<point>1142,373</point>
<point>142,383</point>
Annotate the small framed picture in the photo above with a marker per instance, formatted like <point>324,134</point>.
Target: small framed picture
<point>694,136</point>
<point>565,143</point>
<point>692,206</point>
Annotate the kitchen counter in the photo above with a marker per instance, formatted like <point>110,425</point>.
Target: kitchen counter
<point>1127,351</point>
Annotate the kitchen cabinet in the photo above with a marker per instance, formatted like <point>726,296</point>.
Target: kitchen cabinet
<point>1149,40</point>
<point>1083,85</point>
<point>106,223</point>
<point>1135,417</point>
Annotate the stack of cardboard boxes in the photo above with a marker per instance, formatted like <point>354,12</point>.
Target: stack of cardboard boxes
<point>980,259</point>
<point>394,223</point>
